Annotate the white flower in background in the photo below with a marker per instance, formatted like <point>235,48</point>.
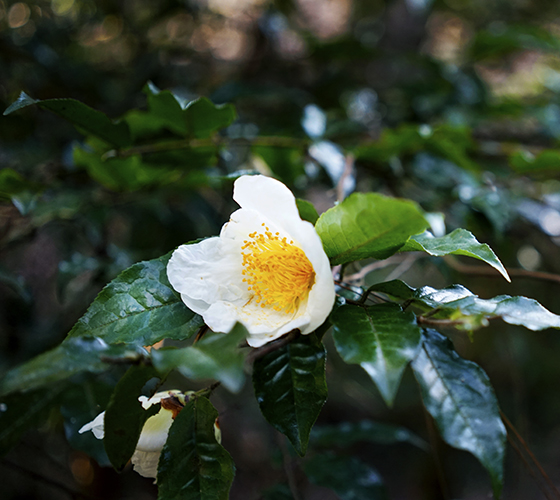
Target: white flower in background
<point>154,433</point>
<point>267,270</point>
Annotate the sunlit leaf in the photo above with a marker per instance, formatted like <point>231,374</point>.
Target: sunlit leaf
<point>139,307</point>
<point>307,211</point>
<point>217,356</point>
<point>458,242</point>
<point>368,226</point>
<point>349,477</point>
<point>382,339</point>
<point>459,396</point>
<point>193,465</point>
<point>291,389</point>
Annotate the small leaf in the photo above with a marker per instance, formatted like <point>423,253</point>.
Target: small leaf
<point>125,416</point>
<point>365,431</point>
<point>459,396</point>
<point>368,226</point>
<point>193,465</point>
<point>19,412</point>
<point>204,117</point>
<point>382,339</point>
<point>349,477</point>
<point>217,356</point>
<point>458,242</point>
<point>291,389</point>
<point>139,307</point>
<point>307,210</point>
<point>90,120</point>
<point>75,355</point>
<point>12,183</point>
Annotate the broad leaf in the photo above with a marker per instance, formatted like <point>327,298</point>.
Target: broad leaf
<point>468,310</point>
<point>368,226</point>
<point>85,118</point>
<point>349,477</point>
<point>217,356</point>
<point>193,465</point>
<point>382,339</point>
<point>458,242</point>
<point>139,307</point>
<point>459,396</point>
<point>75,355</point>
<point>291,389</point>
<point>19,412</point>
<point>125,416</point>
<point>365,431</point>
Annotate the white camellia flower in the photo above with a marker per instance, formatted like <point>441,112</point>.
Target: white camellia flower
<point>154,433</point>
<point>267,270</point>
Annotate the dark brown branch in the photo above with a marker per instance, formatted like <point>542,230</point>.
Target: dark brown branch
<point>272,346</point>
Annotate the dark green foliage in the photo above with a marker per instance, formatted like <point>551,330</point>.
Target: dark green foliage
<point>291,389</point>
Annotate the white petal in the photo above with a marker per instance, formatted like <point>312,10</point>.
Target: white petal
<point>146,462</point>
<point>96,426</point>
<point>155,430</point>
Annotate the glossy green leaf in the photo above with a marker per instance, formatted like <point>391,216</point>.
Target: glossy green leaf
<point>365,431</point>
<point>458,242</point>
<point>139,307</point>
<point>18,413</point>
<point>468,310</point>
<point>349,477</point>
<point>193,465</point>
<point>75,355</point>
<point>291,389</point>
<point>82,116</point>
<point>382,339</point>
<point>459,396</point>
<point>368,226</point>
<point>125,416</point>
<point>217,356</point>
<point>307,210</point>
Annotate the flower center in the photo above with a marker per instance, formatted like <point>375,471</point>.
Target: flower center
<point>277,272</point>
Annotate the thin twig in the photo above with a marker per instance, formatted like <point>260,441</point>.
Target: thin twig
<point>272,346</point>
<point>288,467</point>
<point>374,266</point>
<point>537,464</point>
<point>488,271</point>
<point>403,267</point>
<point>216,141</point>
<point>348,169</point>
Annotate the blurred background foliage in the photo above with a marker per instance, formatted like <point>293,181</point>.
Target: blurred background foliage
<point>452,103</point>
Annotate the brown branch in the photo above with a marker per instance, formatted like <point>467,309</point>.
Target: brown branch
<point>544,475</point>
<point>488,271</point>
<point>272,346</point>
<point>216,142</point>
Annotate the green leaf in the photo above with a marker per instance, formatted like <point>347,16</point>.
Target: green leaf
<point>458,242</point>
<point>82,116</point>
<point>291,389</point>
<point>75,355</point>
<point>125,416</point>
<point>217,356</point>
<point>19,413</point>
<point>349,477</point>
<point>382,339</point>
<point>127,174</point>
<point>139,307</point>
<point>468,310</point>
<point>12,183</point>
<point>368,226</point>
<point>365,431</point>
<point>459,396</point>
<point>307,210</point>
<point>546,162</point>
<point>193,465</point>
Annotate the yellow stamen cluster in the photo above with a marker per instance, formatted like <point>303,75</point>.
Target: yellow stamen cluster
<point>276,271</point>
